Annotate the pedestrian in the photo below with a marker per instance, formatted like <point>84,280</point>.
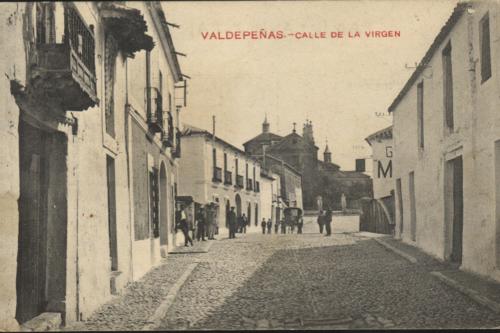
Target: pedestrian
<point>292,226</point>
<point>263,225</point>
<point>300,224</point>
<point>211,222</point>
<point>328,221</point>
<point>283,226</point>
<point>321,221</point>
<point>232,223</point>
<point>244,222</point>
<point>276,226</point>
<point>185,226</point>
<point>269,226</point>
<point>200,225</point>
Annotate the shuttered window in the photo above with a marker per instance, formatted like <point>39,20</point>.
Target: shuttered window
<point>448,87</point>
<point>484,35</point>
<point>420,113</point>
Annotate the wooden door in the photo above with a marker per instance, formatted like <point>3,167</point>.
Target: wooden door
<point>32,241</point>
<point>457,233</point>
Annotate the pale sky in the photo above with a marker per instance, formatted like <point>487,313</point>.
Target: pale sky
<point>339,84</point>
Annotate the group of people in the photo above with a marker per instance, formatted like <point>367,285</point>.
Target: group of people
<point>325,221</point>
<point>286,227</point>
<point>237,224</point>
<point>204,225</point>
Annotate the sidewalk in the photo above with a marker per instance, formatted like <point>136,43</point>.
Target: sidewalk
<point>483,291</point>
<point>140,301</point>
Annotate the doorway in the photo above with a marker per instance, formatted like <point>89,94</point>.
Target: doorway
<point>41,259</point>
<point>228,209</point>
<point>456,191</point>
<point>163,206</point>
<point>413,209</point>
<point>238,205</point>
<point>256,214</point>
<point>113,239</point>
<point>400,205</point>
<point>249,214</point>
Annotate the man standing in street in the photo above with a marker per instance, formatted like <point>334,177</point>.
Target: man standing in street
<point>201,224</point>
<point>321,222</point>
<point>263,225</point>
<point>244,222</point>
<point>232,223</point>
<point>269,226</point>
<point>328,221</point>
<point>185,226</point>
<point>300,223</point>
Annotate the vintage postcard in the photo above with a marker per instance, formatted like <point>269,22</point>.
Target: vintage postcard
<point>247,165</point>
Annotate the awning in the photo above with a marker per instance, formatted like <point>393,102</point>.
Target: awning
<point>127,25</point>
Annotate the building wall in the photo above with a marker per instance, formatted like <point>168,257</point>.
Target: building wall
<point>382,152</point>
<point>428,163</point>
<point>266,195</point>
<point>88,265</point>
<point>481,155</point>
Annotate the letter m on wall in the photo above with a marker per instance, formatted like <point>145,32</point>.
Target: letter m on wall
<point>387,170</point>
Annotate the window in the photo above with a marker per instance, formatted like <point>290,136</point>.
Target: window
<point>45,23</point>
<point>225,162</point>
<point>484,36</point>
<point>420,113</point>
<point>111,51</point>
<point>448,87</point>
<point>246,171</point>
<point>236,166</point>
<point>214,157</point>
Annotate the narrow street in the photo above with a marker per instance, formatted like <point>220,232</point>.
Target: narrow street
<point>346,281</point>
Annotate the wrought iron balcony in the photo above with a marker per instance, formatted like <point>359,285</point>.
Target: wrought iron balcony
<point>177,149</point>
<point>249,184</point>
<point>168,134</point>
<point>239,181</point>
<point>217,177</point>
<point>65,72</point>
<point>228,177</point>
<point>154,109</point>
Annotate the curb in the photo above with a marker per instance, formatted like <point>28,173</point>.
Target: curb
<point>155,320</point>
<point>405,255</point>
<point>474,295</point>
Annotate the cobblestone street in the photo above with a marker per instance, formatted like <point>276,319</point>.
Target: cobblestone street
<point>306,281</point>
<point>313,281</point>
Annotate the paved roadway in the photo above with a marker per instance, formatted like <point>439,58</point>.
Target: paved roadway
<point>311,281</point>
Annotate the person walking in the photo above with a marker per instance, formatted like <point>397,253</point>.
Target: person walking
<point>185,226</point>
<point>300,224</point>
<point>200,224</point>
<point>283,226</point>
<point>276,226</point>
<point>263,225</point>
<point>269,226</point>
<point>244,222</point>
<point>232,223</point>
<point>328,221</point>
<point>321,221</point>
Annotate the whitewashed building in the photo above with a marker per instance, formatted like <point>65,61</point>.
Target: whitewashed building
<point>271,207</point>
<point>382,154</point>
<point>446,144</point>
<point>212,170</point>
<point>77,88</point>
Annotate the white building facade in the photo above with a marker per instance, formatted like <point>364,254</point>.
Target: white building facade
<point>446,144</point>
<point>382,154</point>
<point>214,171</point>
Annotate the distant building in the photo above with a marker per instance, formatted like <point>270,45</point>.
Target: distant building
<point>382,154</point>
<point>319,178</point>
<point>212,170</point>
<point>269,194</point>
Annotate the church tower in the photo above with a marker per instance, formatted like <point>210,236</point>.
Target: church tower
<point>307,131</point>
<point>265,126</point>
<point>327,155</point>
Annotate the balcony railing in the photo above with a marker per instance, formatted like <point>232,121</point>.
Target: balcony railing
<point>168,134</point>
<point>217,177</point>
<point>249,184</point>
<point>65,72</point>
<point>154,109</point>
<point>257,187</point>
<point>228,177</point>
<point>239,181</point>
